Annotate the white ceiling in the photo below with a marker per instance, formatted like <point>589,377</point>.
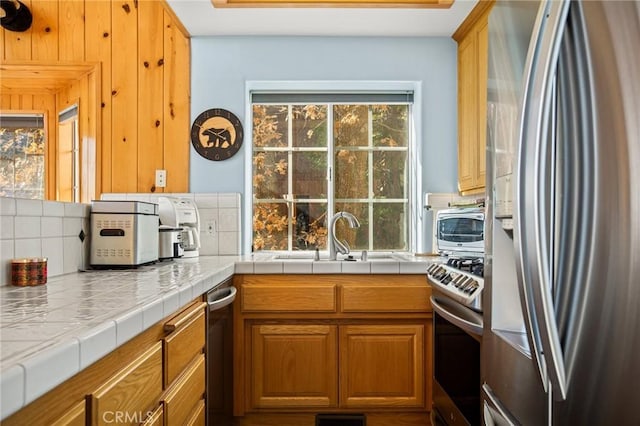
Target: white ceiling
<point>202,19</point>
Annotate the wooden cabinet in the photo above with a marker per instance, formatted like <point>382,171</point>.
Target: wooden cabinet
<point>156,418</point>
<point>184,365</point>
<point>157,378</point>
<point>182,398</point>
<point>472,38</point>
<point>131,392</point>
<point>364,346</point>
<point>382,365</point>
<point>185,340</point>
<point>75,416</point>
<point>294,365</point>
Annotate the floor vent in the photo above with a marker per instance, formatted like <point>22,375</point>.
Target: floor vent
<point>341,420</point>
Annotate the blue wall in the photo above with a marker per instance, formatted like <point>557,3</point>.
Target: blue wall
<point>220,66</point>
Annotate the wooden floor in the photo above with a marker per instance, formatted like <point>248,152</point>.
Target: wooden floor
<point>373,419</point>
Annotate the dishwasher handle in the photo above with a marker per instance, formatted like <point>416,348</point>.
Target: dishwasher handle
<point>218,299</point>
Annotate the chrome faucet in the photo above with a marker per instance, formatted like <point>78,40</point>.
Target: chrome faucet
<point>336,246</point>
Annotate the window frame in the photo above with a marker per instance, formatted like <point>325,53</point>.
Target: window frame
<point>414,167</point>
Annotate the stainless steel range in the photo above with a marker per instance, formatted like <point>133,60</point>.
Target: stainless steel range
<point>457,326</point>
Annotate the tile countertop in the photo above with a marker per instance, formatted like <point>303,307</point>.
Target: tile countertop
<point>303,263</point>
<point>51,332</point>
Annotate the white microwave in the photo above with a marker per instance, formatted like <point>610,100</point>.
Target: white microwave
<point>460,232</point>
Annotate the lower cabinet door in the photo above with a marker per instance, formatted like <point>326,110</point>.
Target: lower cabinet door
<point>185,393</point>
<point>382,366</point>
<point>127,397</point>
<point>294,365</point>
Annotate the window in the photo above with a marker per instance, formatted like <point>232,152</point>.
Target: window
<point>68,155</point>
<point>22,156</point>
<point>315,154</point>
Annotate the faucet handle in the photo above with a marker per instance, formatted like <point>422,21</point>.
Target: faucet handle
<point>346,247</point>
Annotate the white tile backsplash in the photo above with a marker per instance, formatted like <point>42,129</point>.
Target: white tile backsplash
<point>53,208</point>
<point>28,207</point>
<point>219,212</point>
<point>26,227</point>
<point>71,226</point>
<point>75,210</point>
<point>7,206</point>
<point>52,249</point>
<point>51,226</point>
<point>28,247</point>
<point>6,227</point>
<point>36,228</point>
<point>209,201</point>
<point>229,200</point>
<point>228,243</point>
<point>229,219</point>
<point>6,254</point>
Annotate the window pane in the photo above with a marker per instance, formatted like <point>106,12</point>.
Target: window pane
<point>270,174</point>
<point>309,125</point>
<point>351,174</point>
<point>310,226</point>
<point>358,238</point>
<point>270,125</point>
<point>390,125</point>
<point>6,177</point>
<point>389,226</point>
<point>310,174</point>
<point>389,174</point>
<point>30,173</point>
<point>22,151</point>
<point>351,125</point>
<point>270,226</point>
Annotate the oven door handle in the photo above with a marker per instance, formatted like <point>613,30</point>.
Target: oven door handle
<point>472,324</point>
<point>220,298</point>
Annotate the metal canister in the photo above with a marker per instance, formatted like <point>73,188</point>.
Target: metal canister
<point>29,271</point>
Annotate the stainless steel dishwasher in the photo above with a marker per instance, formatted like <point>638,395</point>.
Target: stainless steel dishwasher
<point>220,354</point>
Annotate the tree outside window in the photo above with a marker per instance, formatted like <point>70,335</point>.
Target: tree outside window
<point>312,160</point>
<point>22,157</point>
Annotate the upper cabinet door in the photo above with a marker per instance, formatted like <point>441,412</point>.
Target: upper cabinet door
<point>472,38</point>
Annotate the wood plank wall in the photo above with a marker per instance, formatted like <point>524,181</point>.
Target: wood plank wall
<point>144,84</point>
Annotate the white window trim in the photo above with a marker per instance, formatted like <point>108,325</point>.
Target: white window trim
<point>416,220</point>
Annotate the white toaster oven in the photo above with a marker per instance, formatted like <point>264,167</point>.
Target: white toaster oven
<point>460,232</point>
<point>124,233</point>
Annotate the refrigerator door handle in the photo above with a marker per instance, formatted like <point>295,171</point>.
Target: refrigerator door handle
<point>531,227</point>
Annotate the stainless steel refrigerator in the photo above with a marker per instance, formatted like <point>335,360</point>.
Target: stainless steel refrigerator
<point>561,340</point>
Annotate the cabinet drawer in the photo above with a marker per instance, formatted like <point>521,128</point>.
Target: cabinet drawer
<point>197,416</point>
<point>289,297</point>
<point>156,418</point>
<point>75,416</point>
<point>187,339</point>
<point>131,391</point>
<point>183,395</point>
<point>385,298</point>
